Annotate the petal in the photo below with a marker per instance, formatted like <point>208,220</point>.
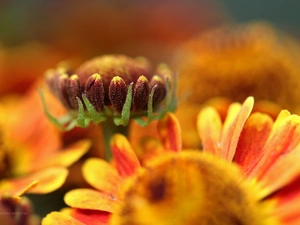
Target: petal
<point>101,175</point>
<point>287,166</point>
<point>209,126</point>
<point>84,198</point>
<point>48,180</point>
<point>288,203</point>
<point>282,115</point>
<point>233,126</point>
<point>252,141</point>
<point>91,217</point>
<point>281,141</point>
<point>170,132</point>
<point>125,158</point>
<point>67,156</point>
<point>58,218</point>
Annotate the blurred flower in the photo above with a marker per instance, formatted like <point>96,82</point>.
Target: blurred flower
<point>112,86</point>
<point>31,155</point>
<point>236,61</point>
<point>91,206</point>
<point>231,182</point>
<point>17,211</point>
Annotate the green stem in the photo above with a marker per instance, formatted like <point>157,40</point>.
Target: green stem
<point>109,129</point>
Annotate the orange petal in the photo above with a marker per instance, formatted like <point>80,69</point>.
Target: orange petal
<point>58,218</point>
<point>84,198</point>
<point>65,157</point>
<point>48,180</point>
<point>101,175</point>
<point>125,158</point>
<point>233,126</point>
<point>287,166</point>
<point>209,126</point>
<point>91,217</point>
<point>252,141</point>
<point>170,132</point>
<point>282,141</point>
<point>288,203</point>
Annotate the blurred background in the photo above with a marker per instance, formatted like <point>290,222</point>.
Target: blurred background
<point>43,33</point>
<point>38,34</point>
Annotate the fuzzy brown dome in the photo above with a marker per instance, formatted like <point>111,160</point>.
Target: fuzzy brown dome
<point>238,61</point>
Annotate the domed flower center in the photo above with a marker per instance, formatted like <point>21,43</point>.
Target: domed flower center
<point>190,188</point>
<point>112,85</point>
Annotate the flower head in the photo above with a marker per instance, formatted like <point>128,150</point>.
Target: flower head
<point>231,182</point>
<point>112,85</point>
<point>91,206</point>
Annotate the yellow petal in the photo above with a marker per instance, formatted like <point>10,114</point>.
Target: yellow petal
<point>57,218</point>
<point>48,180</point>
<point>233,125</point>
<point>170,132</point>
<point>125,158</point>
<point>65,157</point>
<point>209,126</point>
<point>101,175</point>
<point>84,198</point>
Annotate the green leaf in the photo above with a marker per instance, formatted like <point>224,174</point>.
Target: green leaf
<point>60,122</point>
<point>81,116</point>
<point>125,115</point>
<point>95,116</point>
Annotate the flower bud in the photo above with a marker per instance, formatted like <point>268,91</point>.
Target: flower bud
<point>117,93</point>
<point>141,94</point>
<point>94,91</point>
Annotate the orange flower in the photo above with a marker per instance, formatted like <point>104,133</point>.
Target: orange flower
<point>90,206</point>
<point>266,151</point>
<point>31,158</point>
